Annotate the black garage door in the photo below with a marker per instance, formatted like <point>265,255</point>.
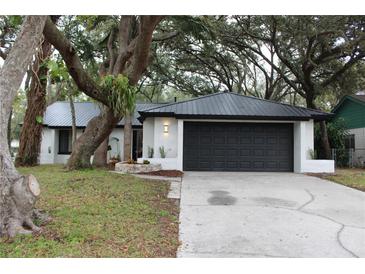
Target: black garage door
<point>238,146</point>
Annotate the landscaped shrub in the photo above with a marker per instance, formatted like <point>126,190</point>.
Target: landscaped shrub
<point>131,162</point>
<point>150,152</point>
<point>337,134</point>
<point>162,151</point>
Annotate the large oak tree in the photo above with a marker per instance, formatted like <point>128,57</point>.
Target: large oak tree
<point>17,193</point>
<point>128,55</point>
<point>316,50</point>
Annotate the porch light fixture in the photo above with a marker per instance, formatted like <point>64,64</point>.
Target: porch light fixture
<point>165,128</point>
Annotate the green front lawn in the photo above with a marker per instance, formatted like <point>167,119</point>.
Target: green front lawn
<point>350,177</point>
<point>99,214</point>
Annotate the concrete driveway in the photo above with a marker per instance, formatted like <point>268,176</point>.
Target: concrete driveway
<point>226,214</point>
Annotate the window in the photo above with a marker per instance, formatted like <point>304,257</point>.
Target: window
<point>64,141</point>
<point>350,141</point>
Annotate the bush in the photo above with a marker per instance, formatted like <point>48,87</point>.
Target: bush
<point>131,162</point>
<point>162,151</point>
<point>337,134</point>
<point>115,158</point>
<point>150,152</point>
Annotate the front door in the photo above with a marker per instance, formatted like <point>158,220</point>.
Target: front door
<point>137,144</point>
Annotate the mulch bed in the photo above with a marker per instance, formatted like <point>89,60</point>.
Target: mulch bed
<point>165,173</point>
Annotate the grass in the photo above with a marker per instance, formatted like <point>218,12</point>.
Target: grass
<point>99,214</point>
<point>351,177</point>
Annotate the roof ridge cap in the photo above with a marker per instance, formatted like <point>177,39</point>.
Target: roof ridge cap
<point>187,100</point>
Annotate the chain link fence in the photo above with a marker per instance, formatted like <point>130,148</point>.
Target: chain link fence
<point>349,157</point>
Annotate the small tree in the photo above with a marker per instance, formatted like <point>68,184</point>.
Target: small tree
<point>337,134</point>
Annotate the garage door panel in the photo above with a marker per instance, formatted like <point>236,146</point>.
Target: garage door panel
<point>259,129</point>
<point>238,146</point>
<point>204,164</point>
<point>283,140</point>
<point>244,152</point>
<point>192,139</point>
<point>271,153</point>
<point>205,140</point>
<point>245,140</point>
<point>233,140</point>
<point>246,129</point>
<point>258,152</point>
<point>218,140</point>
<point>217,128</point>
<point>258,165</point>
<point>271,164</point>
<point>259,140</point>
<point>245,165</point>
<point>219,152</point>
<point>232,164</point>
<point>271,140</point>
<point>205,152</point>
<point>218,165</point>
<point>232,153</point>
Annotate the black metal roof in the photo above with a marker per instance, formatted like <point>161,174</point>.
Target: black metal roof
<point>229,105</point>
<point>58,114</point>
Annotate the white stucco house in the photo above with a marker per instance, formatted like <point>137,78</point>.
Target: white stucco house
<point>57,134</point>
<point>217,132</point>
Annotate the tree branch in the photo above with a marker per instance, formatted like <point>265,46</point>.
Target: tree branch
<point>142,47</point>
<point>82,79</point>
<point>165,36</point>
<point>342,70</point>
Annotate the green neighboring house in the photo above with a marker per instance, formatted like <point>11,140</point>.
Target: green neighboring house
<point>351,109</point>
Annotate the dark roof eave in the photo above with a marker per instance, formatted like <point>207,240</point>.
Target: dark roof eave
<point>145,115</point>
<point>78,127</point>
<point>326,117</point>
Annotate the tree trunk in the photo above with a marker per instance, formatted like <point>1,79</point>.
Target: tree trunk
<point>17,193</point>
<point>9,128</point>
<point>101,154</point>
<point>97,130</point>
<point>73,117</point>
<point>324,140</point>
<point>31,132</point>
<point>324,135</point>
<point>127,137</point>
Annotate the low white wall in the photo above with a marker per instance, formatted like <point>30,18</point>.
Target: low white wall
<point>303,145</point>
<point>318,166</point>
<point>166,163</point>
